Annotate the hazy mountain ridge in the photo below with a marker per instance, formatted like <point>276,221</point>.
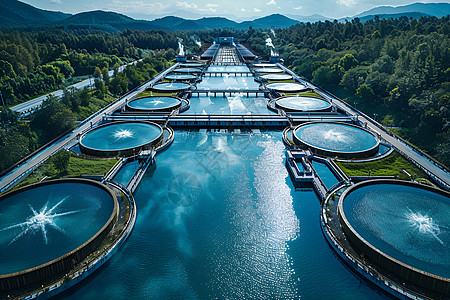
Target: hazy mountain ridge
<point>432,9</point>
<point>14,12</point>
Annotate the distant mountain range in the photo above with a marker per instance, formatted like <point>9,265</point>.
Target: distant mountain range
<point>16,13</point>
<point>431,9</point>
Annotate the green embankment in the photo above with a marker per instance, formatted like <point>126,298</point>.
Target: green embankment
<point>76,167</point>
<point>392,165</point>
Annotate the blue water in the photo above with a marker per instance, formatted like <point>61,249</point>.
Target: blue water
<point>74,212</point>
<point>277,76</point>
<point>117,136</point>
<point>218,218</point>
<point>300,103</point>
<point>336,137</point>
<point>378,211</point>
<point>229,105</point>
<point>126,172</point>
<point>154,103</point>
<point>286,87</point>
<point>171,86</point>
<point>326,175</point>
<point>228,83</point>
<point>180,77</point>
<point>187,70</point>
<point>231,69</point>
<point>269,70</point>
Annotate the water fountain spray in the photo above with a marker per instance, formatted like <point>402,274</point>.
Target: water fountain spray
<point>424,224</point>
<point>40,221</point>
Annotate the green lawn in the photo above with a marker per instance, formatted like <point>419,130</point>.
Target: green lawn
<point>309,94</point>
<point>76,166</point>
<point>388,166</point>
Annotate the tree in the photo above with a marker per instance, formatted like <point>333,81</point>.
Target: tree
<point>97,73</point>
<point>353,78</point>
<point>105,75</point>
<point>348,61</point>
<point>61,160</point>
<point>365,93</point>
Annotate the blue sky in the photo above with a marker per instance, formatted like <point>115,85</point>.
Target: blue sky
<point>242,10</point>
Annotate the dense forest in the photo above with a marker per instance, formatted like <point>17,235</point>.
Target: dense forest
<point>35,62</point>
<point>395,70</point>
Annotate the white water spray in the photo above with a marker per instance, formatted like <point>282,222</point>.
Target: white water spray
<point>122,134</point>
<point>424,224</point>
<point>39,221</point>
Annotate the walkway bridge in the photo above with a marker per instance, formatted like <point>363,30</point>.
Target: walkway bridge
<point>228,92</point>
<point>186,120</point>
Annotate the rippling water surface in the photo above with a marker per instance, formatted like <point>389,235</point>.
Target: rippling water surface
<point>218,218</point>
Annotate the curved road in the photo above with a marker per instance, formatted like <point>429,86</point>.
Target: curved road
<point>16,174</point>
<point>32,105</point>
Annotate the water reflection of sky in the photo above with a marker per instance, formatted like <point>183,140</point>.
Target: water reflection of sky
<point>228,83</point>
<point>229,105</point>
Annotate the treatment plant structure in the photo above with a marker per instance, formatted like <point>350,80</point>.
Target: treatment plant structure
<point>239,116</point>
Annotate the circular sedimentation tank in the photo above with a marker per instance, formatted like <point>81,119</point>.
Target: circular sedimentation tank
<point>187,70</point>
<point>121,138</point>
<point>269,70</point>
<point>287,87</point>
<point>46,227</point>
<point>264,65</point>
<point>171,87</point>
<point>336,139</point>
<point>191,65</point>
<point>180,77</point>
<point>277,77</point>
<point>155,103</point>
<point>302,103</point>
<point>403,227</point>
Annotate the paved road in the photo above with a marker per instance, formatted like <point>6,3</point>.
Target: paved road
<point>434,171</point>
<point>32,105</point>
<point>11,178</point>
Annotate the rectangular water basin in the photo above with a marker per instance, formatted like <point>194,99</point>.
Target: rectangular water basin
<point>228,83</point>
<point>325,173</point>
<point>229,105</point>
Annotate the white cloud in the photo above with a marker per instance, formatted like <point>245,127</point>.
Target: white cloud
<point>256,10</point>
<point>347,3</point>
<point>185,4</point>
<point>271,2</point>
<point>298,7</point>
<point>56,1</point>
<point>242,9</point>
<point>209,5</point>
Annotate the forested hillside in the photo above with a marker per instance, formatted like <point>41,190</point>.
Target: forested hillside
<point>37,62</point>
<point>395,70</point>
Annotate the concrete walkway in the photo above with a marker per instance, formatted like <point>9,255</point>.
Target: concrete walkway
<point>16,174</point>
